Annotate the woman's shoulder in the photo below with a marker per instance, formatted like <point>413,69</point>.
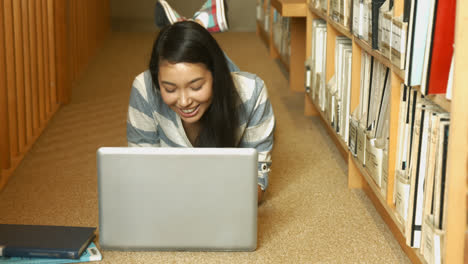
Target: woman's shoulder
<point>248,85</point>
<point>143,83</point>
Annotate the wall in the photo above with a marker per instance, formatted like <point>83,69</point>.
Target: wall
<point>138,15</point>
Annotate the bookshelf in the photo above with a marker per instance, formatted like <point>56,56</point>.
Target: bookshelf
<point>358,175</point>
<point>263,20</point>
<point>296,10</point>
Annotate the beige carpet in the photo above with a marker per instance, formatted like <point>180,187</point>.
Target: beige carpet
<point>309,215</point>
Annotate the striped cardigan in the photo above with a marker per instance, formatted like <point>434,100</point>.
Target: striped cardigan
<point>151,123</point>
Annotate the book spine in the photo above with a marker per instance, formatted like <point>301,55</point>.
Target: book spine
<point>38,253</point>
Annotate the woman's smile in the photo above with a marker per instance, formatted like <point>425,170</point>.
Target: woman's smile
<point>187,88</point>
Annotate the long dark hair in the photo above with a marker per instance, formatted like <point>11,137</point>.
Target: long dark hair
<point>191,43</point>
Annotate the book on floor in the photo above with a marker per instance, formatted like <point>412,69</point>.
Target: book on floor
<point>44,241</point>
<point>91,253</point>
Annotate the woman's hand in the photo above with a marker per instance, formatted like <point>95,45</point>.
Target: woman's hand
<point>260,194</point>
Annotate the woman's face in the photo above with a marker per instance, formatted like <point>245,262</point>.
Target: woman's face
<point>187,88</point>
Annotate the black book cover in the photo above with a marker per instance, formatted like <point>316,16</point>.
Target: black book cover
<point>368,126</point>
<point>44,241</point>
<point>376,4</point>
<point>406,10</point>
<point>415,226</point>
<point>444,175</point>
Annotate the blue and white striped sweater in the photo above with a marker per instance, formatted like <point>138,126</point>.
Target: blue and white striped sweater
<point>151,123</point>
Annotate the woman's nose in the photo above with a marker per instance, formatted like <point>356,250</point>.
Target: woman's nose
<point>184,99</point>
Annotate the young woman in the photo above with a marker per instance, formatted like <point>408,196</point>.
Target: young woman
<point>190,98</point>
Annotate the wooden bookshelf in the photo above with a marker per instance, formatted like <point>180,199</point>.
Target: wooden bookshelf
<point>365,182</point>
<point>457,160</point>
<point>296,10</point>
<point>358,176</point>
<point>290,8</point>
<point>264,36</point>
<point>341,145</point>
<point>456,249</point>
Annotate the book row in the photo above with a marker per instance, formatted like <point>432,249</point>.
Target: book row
<point>419,41</point>
<point>419,195</point>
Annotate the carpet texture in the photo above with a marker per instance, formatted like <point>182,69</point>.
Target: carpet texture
<point>308,216</point>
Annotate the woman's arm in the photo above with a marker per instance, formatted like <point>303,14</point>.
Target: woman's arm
<point>141,126</point>
<point>259,130</point>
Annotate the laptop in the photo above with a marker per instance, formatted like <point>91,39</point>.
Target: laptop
<point>177,199</point>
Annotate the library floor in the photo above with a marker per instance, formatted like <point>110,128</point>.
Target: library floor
<point>309,215</point>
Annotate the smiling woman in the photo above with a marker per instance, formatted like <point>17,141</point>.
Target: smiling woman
<point>194,96</point>
<point>187,90</point>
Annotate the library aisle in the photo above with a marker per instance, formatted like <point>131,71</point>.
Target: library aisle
<point>309,214</point>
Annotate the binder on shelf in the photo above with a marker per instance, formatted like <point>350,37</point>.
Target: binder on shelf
<point>376,5</point>
<point>428,46</point>
<point>433,239</point>
<point>402,127</point>
<point>361,144</point>
<point>357,18</point>
<point>374,158</point>
<point>345,13</point>
<point>439,47</point>
<point>414,222</point>
<point>353,133</point>
<point>307,77</point>
<point>398,42</point>
<point>384,187</point>
<point>386,36</point>
<point>335,10</point>
<point>343,56</point>
<point>402,193</point>
<point>324,6</point>
<point>406,10</point>
<point>434,140</point>
<point>366,17</point>
<point>440,191</point>
<point>260,10</point>
<point>417,37</point>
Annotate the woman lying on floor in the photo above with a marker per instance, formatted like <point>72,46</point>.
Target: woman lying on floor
<point>194,96</point>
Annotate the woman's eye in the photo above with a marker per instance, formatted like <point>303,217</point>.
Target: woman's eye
<point>196,88</point>
<point>169,90</point>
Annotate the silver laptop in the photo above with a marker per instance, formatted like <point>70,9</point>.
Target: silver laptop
<point>189,199</point>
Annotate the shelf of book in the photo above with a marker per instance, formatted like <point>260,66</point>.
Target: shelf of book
<point>360,178</point>
<point>318,13</point>
<point>457,156</point>
<point>264,36</point>
<point>281,58</point>
<point>455,245</point>
<point>364,45</point>
<point>296,10</point>
<point>380,57</point>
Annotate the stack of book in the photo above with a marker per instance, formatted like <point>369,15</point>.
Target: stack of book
<point>263,14</point>
<point>33,244</point>
<point>340,12</point>
<point>281,35</point>
<point>369,123</point>
<point>315,66</point>
<point>340,96</point>
<point>420,194</point>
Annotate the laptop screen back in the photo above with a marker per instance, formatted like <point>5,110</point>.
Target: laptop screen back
<point>195,199</point>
